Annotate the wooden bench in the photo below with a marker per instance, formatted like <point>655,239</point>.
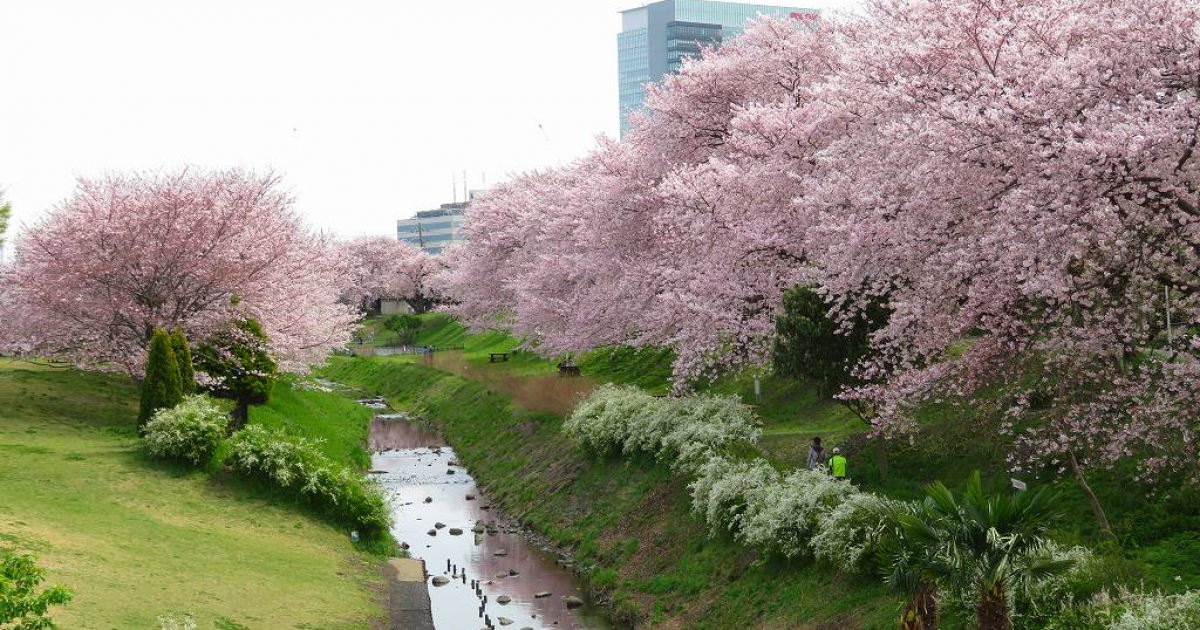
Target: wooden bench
<point>497,357</point>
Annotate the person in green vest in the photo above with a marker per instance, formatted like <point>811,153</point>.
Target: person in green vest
<point>837,465</point>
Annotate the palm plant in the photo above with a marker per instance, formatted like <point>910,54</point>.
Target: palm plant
<point>992,547</point>
<point>910,565</point>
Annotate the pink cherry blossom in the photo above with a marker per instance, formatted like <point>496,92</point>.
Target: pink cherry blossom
<point>131,252</point>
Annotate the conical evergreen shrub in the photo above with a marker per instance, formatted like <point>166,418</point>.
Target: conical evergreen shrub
<point>183,356</point>
<point>161,388</point>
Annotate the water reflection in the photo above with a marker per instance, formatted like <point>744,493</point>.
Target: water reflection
<point>551,392</point>
<point>433,491</point>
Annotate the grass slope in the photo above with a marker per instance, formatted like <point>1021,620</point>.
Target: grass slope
<point>629,520</point>
<point>136,539</point>
<point>340,424</point>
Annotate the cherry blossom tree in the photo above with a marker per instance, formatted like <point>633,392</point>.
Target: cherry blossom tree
<point>385,267</point>
<point>130,253</point>
<point>1015,181</point>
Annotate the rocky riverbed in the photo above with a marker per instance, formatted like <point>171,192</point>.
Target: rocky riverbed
<point>485,569</point>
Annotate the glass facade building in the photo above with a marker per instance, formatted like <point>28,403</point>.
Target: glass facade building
<point>435,230</point>
<point>656,38</point>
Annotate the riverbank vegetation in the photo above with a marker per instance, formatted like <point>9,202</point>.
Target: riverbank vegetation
<point>789,412</point>
<point>136,538</point>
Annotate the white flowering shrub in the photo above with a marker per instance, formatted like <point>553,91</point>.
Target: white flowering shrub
<point>601,422</point>
<point>684,432</point>
<point>848,536</point>
<point>170,622</point>
<point>723,490</point>
<point>189,432</point>
<point>783,517</point>
<point>1161,612</point>
<point>296,463</point>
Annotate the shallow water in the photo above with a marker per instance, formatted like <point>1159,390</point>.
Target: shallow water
<point>414,465</point>
<point>550,392</point>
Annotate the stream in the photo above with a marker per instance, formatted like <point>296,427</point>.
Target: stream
<point>485,557</point>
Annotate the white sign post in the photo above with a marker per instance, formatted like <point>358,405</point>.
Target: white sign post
<point>1018,484</point>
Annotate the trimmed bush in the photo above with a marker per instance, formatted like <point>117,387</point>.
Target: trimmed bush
<point>190,431</point>
<point>724,490</point>
<point>183,357</point>
<point>783,517</point>
<point>161,388</point>
<point>683,432</point>
<point>848,536</point>
<point>297,464</point>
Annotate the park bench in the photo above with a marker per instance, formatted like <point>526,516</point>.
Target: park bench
<point>497,357</point>
<point>568,369</point>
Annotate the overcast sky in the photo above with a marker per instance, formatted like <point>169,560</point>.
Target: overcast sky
<point>364,107</point>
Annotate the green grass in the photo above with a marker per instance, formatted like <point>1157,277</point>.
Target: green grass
<point>340,424</point>
<point>137,539</point>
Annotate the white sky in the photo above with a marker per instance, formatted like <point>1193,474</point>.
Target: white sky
<point>364,107</point>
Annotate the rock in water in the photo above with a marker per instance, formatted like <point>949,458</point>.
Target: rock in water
<point>501,553</point>
<point>572,602</point>
<point>454,531</point>
<point>429,499</point>
<point>440,580</point>
<point>432,532</point>
<point>541,594</point>
<point>439,525</point>
<point>504,621</point>
<point>503,599</point>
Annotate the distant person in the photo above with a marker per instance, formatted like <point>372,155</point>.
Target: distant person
<point>816,455</point>
<point>837,465</point>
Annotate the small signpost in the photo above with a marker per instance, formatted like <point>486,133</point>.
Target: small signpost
<point>1018,484</point>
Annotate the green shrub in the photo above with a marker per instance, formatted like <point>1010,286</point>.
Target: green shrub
<point>190,431</point>
<point>183,357</point>
<point>684,432</point>
<point>161,388</point>
<point>297,464</point>
<point>22,607</point>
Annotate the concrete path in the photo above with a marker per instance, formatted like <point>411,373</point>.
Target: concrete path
<point>408,596</point>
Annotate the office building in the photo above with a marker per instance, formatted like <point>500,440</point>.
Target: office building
<point>655,39</point>
<point>435,230</point>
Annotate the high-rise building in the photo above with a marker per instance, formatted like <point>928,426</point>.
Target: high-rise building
<point>655,38</point>
<point>435,230</point>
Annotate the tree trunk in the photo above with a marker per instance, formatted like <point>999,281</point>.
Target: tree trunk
<point>239,416</point>
<point>1097,509</point>
<point>991,612</point>
<point>921,612</point>
<point>881,457</point>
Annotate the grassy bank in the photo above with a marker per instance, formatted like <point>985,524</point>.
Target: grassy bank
<point>137,539</point>
<point>1158,526</point>
<point>632,521</point>
<point>629,521</point>
<point>340,424</point>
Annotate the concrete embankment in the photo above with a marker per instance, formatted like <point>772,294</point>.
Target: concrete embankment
<point>408,596</point>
